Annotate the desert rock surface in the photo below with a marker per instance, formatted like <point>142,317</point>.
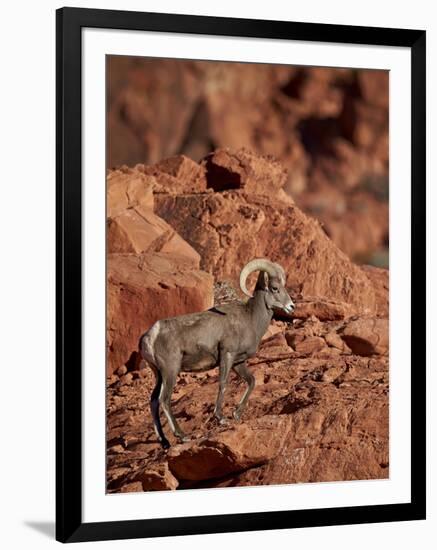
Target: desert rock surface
<point>179,232</point>
<point>327,127</point>
<point>318,412</point>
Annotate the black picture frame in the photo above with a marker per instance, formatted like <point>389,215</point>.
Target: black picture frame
<point>69,524</point>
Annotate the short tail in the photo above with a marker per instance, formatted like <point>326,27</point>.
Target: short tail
<point>154,407</point>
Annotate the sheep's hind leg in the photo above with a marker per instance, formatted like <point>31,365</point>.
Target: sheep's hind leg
<point>242,370</point>
<point>154,407</point>
<point>168,383</point>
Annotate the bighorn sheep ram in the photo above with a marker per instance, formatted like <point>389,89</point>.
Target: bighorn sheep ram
<point>224,337</point>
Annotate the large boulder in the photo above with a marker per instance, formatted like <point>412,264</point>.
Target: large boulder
<point>367,336</point>
<point>152,272</point>
<point>128,189</point>
<point>139,230</point>
<point>321,308</point>
<point>178,174</point>
<point>141,290</point>
<point>230,228</point>
<point>239,448</point>
<point>242,169</point>
<point>157,477</point>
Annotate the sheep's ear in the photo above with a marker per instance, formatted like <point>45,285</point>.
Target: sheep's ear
<point>262,282</point>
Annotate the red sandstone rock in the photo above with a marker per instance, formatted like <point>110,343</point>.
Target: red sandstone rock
<point>143,289</point>
<point>230,228</point>
<point>178,174</point>
<point>311,345</point>
<point>244,106</point>
<point>134,487</point>
<point>323,309</point>
<point>127,190</point>
<point>335,341</point>
<point>233,450</point>
<point>241,169</point>
<point>380,280</point>
<point>364,117</point>
<point>276,327</point>
<point>367,336</point>
<point>373,86</point>
<point>321,412</point>
<point>271,354</point>
<point>357,221</point>
<point>151,269</point>
<point>315,91</point>
<point>138,230</point>
<point>150,103</point>
<point>328,127</point>
<point>327,415</point>
<point>274,340</point>
<point>157,477</point>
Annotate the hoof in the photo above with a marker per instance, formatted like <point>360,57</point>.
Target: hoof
<point>183,437</point>
<point>220,419</point>
<point>236,415</point>
<point>165,444</point>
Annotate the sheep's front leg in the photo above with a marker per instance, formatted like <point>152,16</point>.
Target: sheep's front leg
<point>226,361</point>
<point>242,371</point>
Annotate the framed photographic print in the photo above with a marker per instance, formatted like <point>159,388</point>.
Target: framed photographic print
<point>240,274</point>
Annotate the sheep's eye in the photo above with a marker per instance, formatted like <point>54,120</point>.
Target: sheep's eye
<point>275,289</point>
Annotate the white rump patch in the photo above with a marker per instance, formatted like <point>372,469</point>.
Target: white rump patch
<point>149,343</point>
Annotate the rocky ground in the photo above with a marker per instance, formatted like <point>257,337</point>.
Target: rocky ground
<point>319,412</point>
<point>179,232</point>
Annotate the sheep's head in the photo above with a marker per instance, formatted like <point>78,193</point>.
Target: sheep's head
<point>271,280</point>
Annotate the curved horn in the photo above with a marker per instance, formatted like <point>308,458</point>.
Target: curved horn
<point>261,264</point>
<point>281,272</point>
